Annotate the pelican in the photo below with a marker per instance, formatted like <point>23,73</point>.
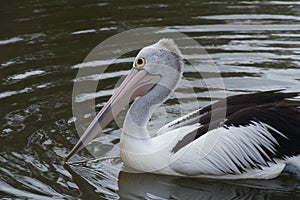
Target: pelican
<point>259,136</point>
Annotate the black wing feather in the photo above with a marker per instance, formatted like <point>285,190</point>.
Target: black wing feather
<point>274,108</point>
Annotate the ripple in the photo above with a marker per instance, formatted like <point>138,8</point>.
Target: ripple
<point>249,16</point>
<point>89,96</point>
<point>83,31</point>
<point>274,2</point>
<point>108,28</point>
<point>235,36</point>
<point>21,193</point>
<point>8,63</point>
<point>103,76</point>
<point>267,42</point>
<point>11,93</point>
<point>98,63</point>
<point>233,28</point>
<point>11,40</point>
<point>26,74</point>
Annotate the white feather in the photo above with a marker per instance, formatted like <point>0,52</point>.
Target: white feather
<point>179,122</point>
<point>222,150</point>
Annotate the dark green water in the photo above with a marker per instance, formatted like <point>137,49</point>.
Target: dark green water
<point>254,44</point>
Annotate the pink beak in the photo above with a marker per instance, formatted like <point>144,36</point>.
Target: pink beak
<point>136,84</point>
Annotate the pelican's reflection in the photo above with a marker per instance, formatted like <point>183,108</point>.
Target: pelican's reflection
<point>98,181</point>
<point>150,186</point>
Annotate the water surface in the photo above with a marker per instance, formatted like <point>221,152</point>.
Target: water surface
<point>254,44</point>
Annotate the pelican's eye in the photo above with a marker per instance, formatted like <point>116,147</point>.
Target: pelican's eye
<point>140,62</point>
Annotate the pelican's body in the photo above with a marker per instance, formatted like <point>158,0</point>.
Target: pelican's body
<point>257,137</point>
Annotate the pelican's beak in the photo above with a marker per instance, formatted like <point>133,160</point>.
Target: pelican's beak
<point>136,84</point>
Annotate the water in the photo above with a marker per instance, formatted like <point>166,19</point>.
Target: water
<point>255,44</point>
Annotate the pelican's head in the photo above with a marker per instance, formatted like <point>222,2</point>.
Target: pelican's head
<point>156,66</point>
<point>162,58</point>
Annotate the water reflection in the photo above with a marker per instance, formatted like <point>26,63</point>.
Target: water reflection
<point>153,186</point>
<point>87,190</point>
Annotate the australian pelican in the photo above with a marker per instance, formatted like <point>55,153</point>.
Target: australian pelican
<point>258,137</point>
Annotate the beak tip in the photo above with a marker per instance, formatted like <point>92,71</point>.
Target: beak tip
<point>65,158</point>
